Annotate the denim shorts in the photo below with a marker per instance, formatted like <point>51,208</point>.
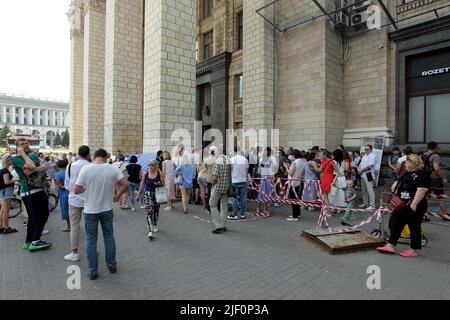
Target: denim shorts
<point>202,182</point>
<point>7,193</point>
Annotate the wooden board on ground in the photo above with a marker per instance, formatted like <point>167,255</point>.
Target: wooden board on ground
<point>339,242</point>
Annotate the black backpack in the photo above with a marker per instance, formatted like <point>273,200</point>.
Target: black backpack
<point>428,168</point>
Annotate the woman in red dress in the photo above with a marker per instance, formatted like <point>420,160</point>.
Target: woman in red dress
<point>330,172</point>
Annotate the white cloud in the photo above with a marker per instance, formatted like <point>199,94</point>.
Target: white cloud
<point>35,48</point>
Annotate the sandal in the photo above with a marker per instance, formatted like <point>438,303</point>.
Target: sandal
<point>2,229</point>
<point>9,230</point>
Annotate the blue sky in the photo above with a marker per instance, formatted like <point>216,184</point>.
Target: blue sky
<point>35,48</point>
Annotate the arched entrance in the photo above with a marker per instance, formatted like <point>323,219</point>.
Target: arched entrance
<point>49,138</point>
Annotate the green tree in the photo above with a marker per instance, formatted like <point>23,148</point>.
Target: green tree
<point>65,139</point>
<point>57,140</point>
<point>3,132</point>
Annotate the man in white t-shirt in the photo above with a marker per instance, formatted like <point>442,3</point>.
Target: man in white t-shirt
<point>239,174</point>
<point>367,172</point>
<point>100,180</point>
<point>76,201</point>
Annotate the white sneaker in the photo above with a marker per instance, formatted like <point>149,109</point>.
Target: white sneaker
<point>233,218</point>
<point>133,209</point>
<point>72,257</point>
<point>292,219</point>
<point>167,209</point>
<point>155,229</point>
<point>150,235</point>
<point>276,204</point>
<point>311,209</point>
<point>44,232</point>
<point>371,208</point>
<point>142,207</point>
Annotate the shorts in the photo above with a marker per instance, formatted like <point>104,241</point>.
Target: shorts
<point>203,182</point>
<point>7,193</point>
<point>437,187</point>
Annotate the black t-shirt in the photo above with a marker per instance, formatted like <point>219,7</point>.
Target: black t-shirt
<point>410,182</point>
<point>2,181</point>
<point>134,171</point>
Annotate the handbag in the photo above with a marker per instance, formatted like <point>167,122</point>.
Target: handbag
<point>178,179</point>
<point>161,195</point>
<point>341,182</point>
<point>396,202</point>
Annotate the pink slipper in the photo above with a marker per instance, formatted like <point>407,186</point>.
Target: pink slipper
<point>409,253</point>
<point>386,249</point>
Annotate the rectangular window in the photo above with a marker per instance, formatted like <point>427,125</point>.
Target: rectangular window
<point>428,118</point>
<point>207,8</point>
<point>240,31</point>
<point>208,45</point>
<point>206,100</point>
<point>238,87</point>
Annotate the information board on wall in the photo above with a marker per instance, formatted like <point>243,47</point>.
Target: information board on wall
<point>378,145</point>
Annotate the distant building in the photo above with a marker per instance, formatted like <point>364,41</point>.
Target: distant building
<point>34,116</point>
<point>34,141</point>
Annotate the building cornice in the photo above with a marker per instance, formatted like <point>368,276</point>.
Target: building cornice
<point>421,29</point>
<point>219,61</point>
<point>415,5</point>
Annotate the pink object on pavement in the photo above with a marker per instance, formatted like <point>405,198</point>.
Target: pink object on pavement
<point>386,249</point>
<point>409,253</point>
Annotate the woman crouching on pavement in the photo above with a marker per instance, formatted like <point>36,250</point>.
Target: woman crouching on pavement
<point>412,189</point>
<point>150,181</point>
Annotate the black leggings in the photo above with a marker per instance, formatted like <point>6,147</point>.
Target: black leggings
<point>406,216</point>
<point>296,208</point>
<point>37,209</point>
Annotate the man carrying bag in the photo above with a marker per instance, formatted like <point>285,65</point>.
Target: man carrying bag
<point>33,179</point>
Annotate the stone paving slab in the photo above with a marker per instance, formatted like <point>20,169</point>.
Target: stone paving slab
<point>256,260</point>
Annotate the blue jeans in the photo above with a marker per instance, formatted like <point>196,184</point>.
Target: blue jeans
<point>134,187</point>
<point>239,191</point>
<point>91,225</point>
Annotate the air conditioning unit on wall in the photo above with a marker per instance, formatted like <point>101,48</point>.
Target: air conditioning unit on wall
<point>358,18</point>
<point>342,19</point>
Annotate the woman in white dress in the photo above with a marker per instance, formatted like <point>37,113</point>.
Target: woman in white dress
<point>337,195</point>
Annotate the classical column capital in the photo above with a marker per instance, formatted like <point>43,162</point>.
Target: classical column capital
<point>97,5</point>
<point>75,16</point>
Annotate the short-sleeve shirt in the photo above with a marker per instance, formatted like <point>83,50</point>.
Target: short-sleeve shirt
<point>60,177</point>
<point>222,170</point>
<point>239,169</point>
<point>409,183</point>
<point>99,181</point>
<point>134,172</point>
<point>432,159</point>
<point>19,163</point>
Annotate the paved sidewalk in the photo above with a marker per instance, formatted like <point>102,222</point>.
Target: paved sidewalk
<point>261,259</point>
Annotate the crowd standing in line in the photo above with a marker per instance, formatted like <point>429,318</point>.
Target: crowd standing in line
<point>87,188</point>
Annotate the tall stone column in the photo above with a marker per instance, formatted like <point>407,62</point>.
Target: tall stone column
<point>76,22</point>
<point>21,116</point>
<point>169,73</point>
<point>53,118</point>
<point>45,117</point>
<point>94,73</point>
<point>4,114</point>
<point>258,111</point>
<point>13,115</point>
<point>124,59</point>
<point>37,117</point>
<point>30,116</point>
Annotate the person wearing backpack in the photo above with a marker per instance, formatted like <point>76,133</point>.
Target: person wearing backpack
<point>432,162</point>
<point>33,182</point>
<point>6,194</point>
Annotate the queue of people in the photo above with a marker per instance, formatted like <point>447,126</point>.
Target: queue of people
<point>89,187</point>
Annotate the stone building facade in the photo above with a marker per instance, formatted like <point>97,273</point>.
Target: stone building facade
<point>151,68</point>
<point>34,116</point>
